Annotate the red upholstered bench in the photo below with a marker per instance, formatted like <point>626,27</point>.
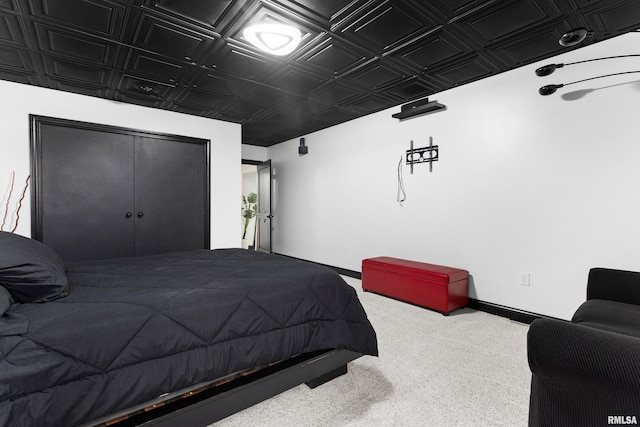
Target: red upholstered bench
<point>432,286</point>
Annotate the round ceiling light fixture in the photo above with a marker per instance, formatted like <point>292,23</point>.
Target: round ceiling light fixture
<point>577,35</point>
<point>276,39</point>
<point>574,37</point>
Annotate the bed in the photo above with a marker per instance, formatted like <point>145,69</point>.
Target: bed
<point>95,342</point>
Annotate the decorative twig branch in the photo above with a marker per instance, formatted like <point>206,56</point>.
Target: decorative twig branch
<point>24,193</point>
<point>6,206</point>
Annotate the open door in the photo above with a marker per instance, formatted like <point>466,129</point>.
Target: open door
<point>263,215</point>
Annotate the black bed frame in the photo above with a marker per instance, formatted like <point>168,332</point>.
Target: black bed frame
<point>207,407</point>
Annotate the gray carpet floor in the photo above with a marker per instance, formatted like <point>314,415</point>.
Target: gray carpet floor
<point>466,369</point>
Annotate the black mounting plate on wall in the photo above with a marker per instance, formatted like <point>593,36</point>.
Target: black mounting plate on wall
<point>428,154</point>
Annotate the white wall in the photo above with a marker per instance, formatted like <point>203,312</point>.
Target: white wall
<point>525,183</point>
<point>18,101</point>
<point>252,152</point>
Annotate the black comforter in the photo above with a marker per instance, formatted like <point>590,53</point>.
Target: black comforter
<point>132,329</point>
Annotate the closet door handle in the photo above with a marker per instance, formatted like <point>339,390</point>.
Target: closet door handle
<point>140,214</point>
<point>128,214</point>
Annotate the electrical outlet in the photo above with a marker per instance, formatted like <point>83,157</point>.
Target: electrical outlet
<point>525,279</point>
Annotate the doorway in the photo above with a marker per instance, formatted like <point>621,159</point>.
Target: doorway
<point>249,205</point>
<point>256,217</point>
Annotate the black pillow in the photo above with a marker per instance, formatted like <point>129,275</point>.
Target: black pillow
<point>5,300</point>
<point>30,270</point>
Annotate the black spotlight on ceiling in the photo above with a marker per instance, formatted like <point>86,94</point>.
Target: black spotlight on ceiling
<point>550,89</point>
<point>577,35</point>
<point>573,37</point>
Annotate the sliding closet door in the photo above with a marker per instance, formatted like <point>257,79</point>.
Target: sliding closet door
<point>85,187</point>
<point>171,203</point>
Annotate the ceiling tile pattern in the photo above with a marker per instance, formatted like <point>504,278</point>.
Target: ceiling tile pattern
<point>356,56</point>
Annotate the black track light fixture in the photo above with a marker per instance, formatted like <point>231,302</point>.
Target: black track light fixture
<point>572,38</point>
<point>550,89</point>
<point>545,70</point>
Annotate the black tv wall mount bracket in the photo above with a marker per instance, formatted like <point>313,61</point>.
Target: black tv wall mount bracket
<point>423,155</point>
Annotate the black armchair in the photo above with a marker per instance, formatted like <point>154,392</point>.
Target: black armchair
<point>587,372</point>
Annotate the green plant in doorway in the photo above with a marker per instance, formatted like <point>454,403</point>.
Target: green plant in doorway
<point>248,210</point>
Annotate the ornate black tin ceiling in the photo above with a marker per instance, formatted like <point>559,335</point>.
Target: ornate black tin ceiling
<point>356,57</point>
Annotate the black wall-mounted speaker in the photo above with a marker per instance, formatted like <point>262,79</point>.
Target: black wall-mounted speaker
<point>302,149</point>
